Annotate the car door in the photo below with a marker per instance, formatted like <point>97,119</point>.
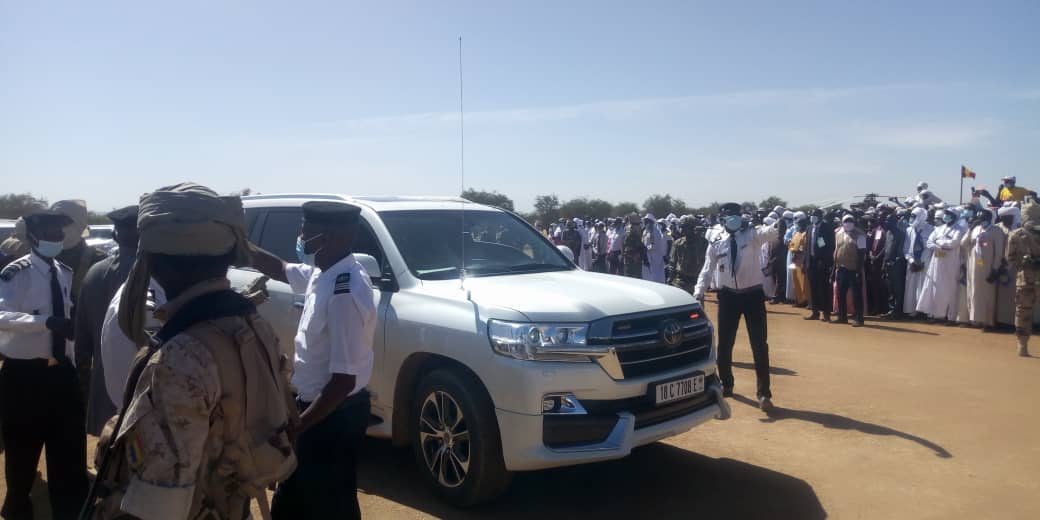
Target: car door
<point>275,229</point>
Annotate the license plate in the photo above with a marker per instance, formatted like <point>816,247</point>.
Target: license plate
<point>679,389</point>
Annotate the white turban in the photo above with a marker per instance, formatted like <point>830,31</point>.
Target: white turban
<point>77,211</point>
<point>788,214</point>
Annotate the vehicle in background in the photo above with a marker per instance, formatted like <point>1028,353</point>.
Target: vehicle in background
<point>6,229</point>
<point>518,361</point>
<point>102,237</point>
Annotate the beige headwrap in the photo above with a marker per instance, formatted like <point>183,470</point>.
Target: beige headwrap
<point>1031,216</point>
<point>184,220</point>
<point>77,211</point>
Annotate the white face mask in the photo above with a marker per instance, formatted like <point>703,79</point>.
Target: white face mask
<point>848,226</point>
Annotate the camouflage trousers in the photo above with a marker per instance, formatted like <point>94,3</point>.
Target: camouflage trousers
<point>1025,299</point>
<point>633,267</point>
<point>686,283</point>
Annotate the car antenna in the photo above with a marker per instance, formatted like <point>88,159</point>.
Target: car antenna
<point>462,178</point>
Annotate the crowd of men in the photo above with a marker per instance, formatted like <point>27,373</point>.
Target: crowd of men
<point>917,258</point>
<point>197,409</point>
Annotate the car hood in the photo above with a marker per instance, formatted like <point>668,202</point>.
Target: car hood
<point>570,296</point>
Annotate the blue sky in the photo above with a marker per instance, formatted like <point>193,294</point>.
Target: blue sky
<point>811,101</point>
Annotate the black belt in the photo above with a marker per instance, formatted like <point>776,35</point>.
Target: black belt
<point>363,395</point>
<point>749,290</point>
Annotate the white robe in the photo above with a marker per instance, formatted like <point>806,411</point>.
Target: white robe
<point>585,258</point>
<point>768,284</point>
<point>939,292</point>
<point>655,250</point>
<point>1006,286</point>
<point>915,281</point>
<point>985,253</point>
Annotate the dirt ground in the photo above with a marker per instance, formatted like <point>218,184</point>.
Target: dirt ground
<point>893,420</point>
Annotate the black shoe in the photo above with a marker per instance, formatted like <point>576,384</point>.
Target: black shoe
<point>857,323</point>
<point>727,392</point>
<point>841,321</point>
<point>826,317</point>
<point>813,316</point>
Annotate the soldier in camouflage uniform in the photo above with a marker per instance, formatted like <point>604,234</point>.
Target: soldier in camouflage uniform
<point>1023,253</point>
<point>687,257</point>
<point>633,252</point>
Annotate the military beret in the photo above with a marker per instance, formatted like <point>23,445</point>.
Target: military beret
<point>43,217</point>
<point>328,212</point>
<point>730,208</point>
<point>127,215</point>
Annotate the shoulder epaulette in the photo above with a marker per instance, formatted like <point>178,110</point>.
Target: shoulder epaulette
<point>342,285</point>
<point>13,268</point>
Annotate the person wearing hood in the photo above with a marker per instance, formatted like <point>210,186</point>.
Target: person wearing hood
<point>655,245</point>
<point>41,404</point>
<point>797,262</point>
<point>985,244</point>
<point>76,253</point>
<point>99,286</point>
<point>940,289</point>
<point>1008,218</point>
<point>733,258</point>
<point>918,256</point>
<point>583,254</point>
<point>633,251</point>
<point>1023,253</point>
<point>820,248</point>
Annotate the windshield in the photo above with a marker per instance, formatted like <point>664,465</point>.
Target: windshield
<point>104,233</point>
<point>496,243</point>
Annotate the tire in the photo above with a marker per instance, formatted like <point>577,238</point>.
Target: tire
<point>470,470</point>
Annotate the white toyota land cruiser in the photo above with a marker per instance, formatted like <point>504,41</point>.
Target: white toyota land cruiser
<point>524,363</point>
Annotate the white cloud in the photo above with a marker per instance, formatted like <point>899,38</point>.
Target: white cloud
<point>927,136</point>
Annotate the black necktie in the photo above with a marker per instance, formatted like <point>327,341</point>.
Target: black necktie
<point>58,311</point>
<point>733,255</point>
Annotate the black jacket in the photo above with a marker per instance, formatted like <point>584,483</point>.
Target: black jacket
<point>821,252</point>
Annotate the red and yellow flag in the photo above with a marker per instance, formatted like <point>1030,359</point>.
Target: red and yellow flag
<point>966,173</point>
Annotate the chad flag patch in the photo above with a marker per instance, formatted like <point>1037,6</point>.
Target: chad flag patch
<point>342,284</point>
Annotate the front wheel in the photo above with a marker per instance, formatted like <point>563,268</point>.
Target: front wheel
<point>456,440</point>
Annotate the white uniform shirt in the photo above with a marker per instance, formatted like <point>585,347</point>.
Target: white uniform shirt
<point>117,350</point>
<point>25,305</point>
<point>617,239</point>
<point>337,327</point>
<point>718,264</point>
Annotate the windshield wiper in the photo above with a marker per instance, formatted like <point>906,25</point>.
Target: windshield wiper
<point>537,267</point>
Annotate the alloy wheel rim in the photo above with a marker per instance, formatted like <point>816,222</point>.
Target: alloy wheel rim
<point>444,439</point>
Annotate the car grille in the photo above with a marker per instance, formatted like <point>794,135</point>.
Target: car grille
<point>641,351</point>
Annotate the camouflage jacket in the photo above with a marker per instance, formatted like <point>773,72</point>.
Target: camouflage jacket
<point>1023,253</point>
<point>688,256</point>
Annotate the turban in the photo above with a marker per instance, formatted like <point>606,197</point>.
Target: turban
<point>77,211</point>
<point>182,220</point>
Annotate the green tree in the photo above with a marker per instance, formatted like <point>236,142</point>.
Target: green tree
<point>582,207</point>
<point>547,208</point>
<point>490,198</point>
<point>14,205</point>
<point>622,209</point>
<point>662,205</point>
<point>772,202</point>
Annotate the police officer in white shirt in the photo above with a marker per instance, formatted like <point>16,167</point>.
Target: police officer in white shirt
<point>333,362</point>
<point>41,405</point>
<point>732,259</point>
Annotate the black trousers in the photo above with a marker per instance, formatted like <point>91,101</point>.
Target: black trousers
<point>895,280</point>
<point>41,406</point>
<point>614,262</point>
<point>750,304</point>
<point>324,485</point>
<point>820,293</point>
<point>849,280</point>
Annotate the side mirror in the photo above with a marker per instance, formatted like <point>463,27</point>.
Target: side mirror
<point>566,252</point>
<point>371,266</point>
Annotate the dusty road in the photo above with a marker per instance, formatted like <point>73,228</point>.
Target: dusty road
<point>887,421</point>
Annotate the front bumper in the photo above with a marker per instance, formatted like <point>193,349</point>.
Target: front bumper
<point>524,448</point>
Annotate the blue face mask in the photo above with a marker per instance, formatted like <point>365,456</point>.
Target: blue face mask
<point>49,249</point>
<point>732,222</point>
<point>301,251</point>
<point>947,218</point>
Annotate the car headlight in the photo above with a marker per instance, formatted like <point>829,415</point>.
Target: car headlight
<point>541,341</point>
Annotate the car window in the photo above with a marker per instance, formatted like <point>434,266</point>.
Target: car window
<point>281,227</point>
<point>366,243</point>
<point>252,217</point>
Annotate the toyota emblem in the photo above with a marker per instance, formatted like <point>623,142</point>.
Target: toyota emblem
<point>671,333</point>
